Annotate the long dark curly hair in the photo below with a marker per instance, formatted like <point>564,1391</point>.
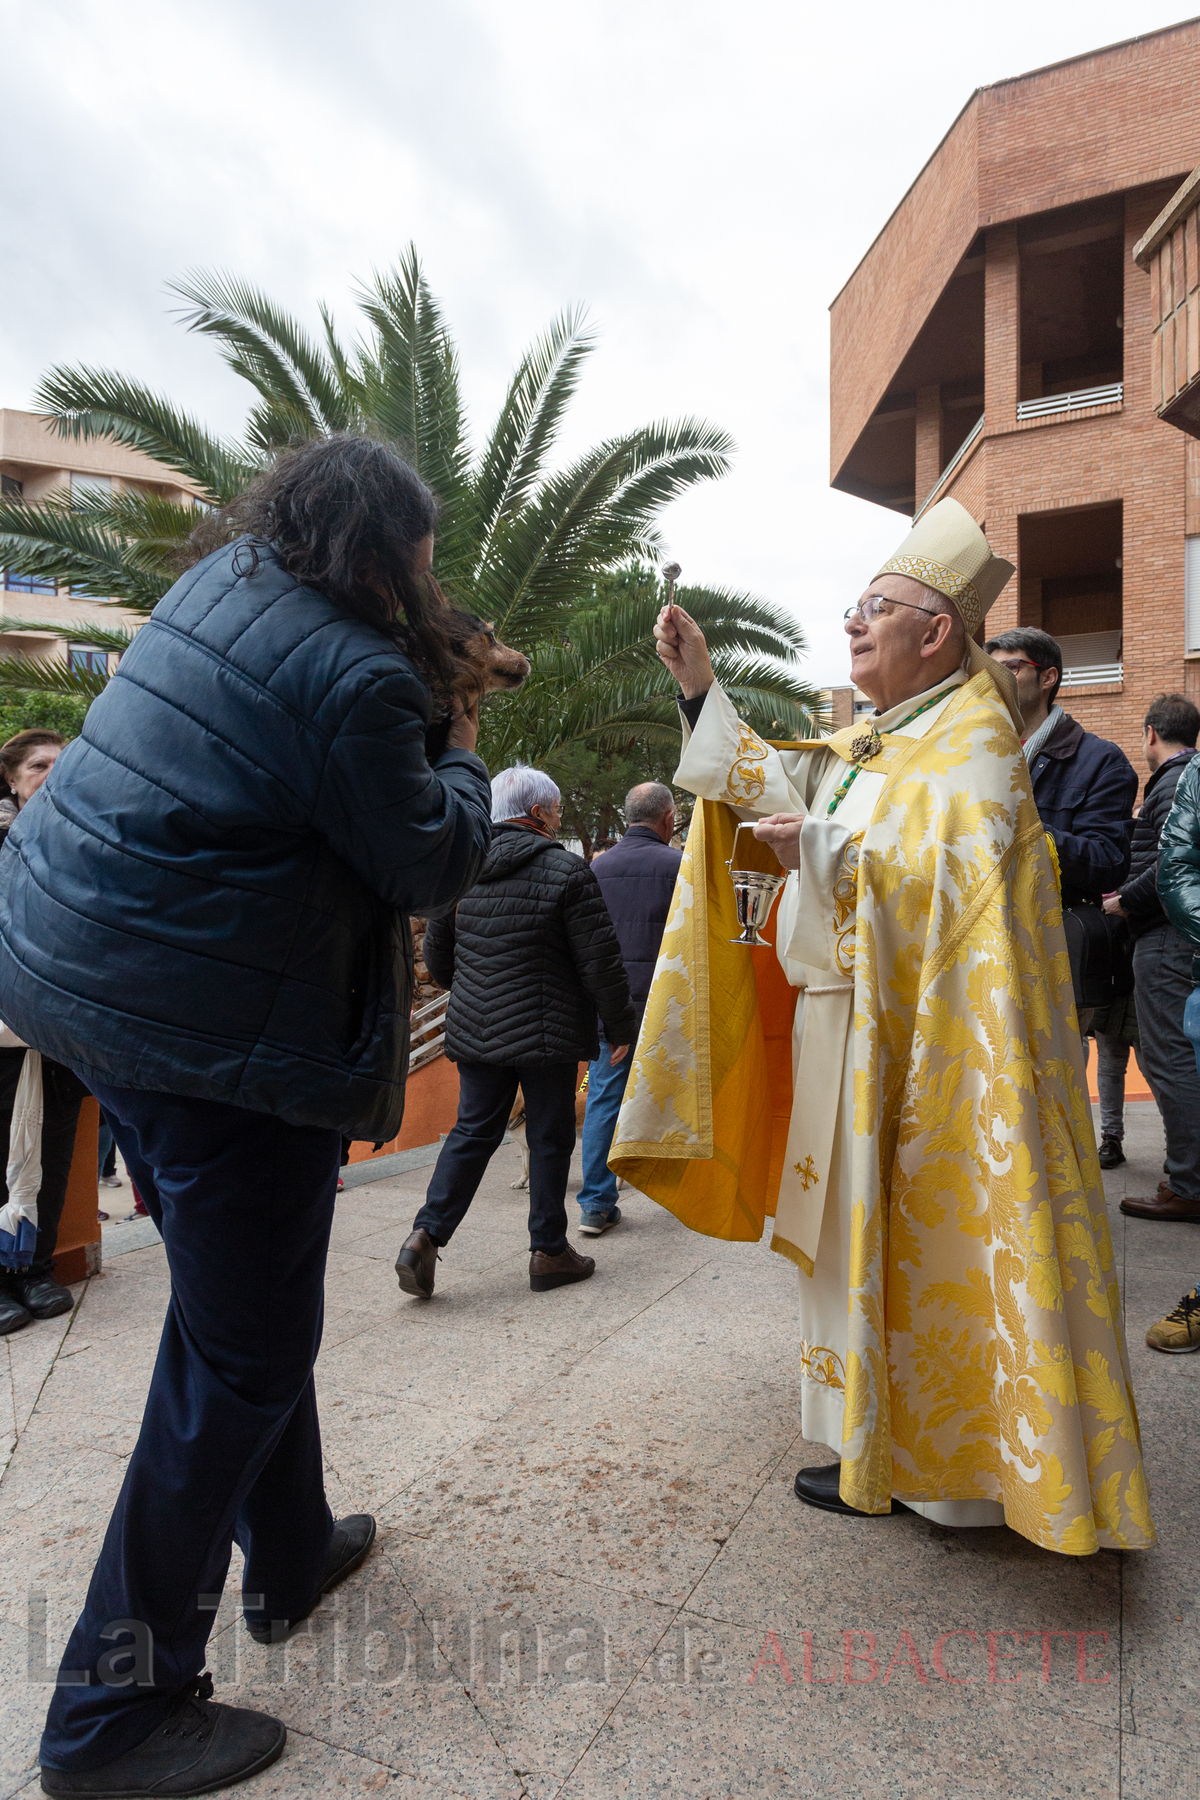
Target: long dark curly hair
<point>346,515</point>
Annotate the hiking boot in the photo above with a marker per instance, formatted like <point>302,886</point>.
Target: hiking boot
<point>1111,1153</point>
<point>41,1295</point>
<point>547,1272</point>
<point>198,1748</point>
<point>416,1264</point>
<point>1179,1332</point>
<point>348,1547</point>
<point>596,1224</point>
<point>1165,1204</point>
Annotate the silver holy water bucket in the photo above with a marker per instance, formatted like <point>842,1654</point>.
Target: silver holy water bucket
<point>754,890</point>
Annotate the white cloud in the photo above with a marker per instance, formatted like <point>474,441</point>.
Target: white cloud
<point>703,176</point>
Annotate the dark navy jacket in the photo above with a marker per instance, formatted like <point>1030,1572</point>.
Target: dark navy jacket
<point>209,896</point>
<point>637,879</point>
<point>1085,788</point>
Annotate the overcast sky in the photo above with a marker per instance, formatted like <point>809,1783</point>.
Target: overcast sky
<point>703,176</point>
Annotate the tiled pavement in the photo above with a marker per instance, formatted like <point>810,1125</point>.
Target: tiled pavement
<point>593,1580</point>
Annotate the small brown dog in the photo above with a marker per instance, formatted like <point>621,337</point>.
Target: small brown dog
<point>485,666</point>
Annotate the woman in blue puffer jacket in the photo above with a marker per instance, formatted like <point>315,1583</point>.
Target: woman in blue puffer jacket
<point>205,916</point>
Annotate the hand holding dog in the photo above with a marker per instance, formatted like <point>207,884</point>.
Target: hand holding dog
<point>464,726</point>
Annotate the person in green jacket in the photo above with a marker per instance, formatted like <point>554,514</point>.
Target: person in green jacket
<point>1179,891</point>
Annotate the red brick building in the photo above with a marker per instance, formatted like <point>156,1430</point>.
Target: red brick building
<point>995,343</point>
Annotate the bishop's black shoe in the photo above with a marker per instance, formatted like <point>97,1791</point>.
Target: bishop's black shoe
<point>819,1487</point>
<point>348,1547</point>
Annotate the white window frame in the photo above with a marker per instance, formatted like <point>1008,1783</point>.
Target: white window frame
<point>1191,596</point>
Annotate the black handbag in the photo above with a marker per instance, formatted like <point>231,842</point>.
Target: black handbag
<point>1101,951</point>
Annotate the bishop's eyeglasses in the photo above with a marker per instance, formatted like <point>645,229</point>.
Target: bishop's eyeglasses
<point>868,609</point>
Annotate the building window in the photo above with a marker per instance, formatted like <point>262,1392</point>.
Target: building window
<point>27,584</point>
<point>98,485</point>
<point>1071,585</point>
<point>11,488</point>
<point>1191,596</point>
<point>82,659</point>
<point>1072,332</point>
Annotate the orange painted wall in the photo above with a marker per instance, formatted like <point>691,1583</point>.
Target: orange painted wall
<point>1135,1082</point>
<point>430,1109</point>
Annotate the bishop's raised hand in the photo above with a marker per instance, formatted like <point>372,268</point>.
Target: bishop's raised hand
<point>681,646</point>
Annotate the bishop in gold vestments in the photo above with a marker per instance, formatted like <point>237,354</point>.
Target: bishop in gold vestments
<point>901,1083</point>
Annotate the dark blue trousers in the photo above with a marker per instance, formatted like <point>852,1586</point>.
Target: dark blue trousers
<point>486,1093</point>
<point>229,1446</point>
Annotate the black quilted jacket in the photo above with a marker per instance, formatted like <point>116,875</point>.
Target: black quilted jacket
<point>530,958</point>
<point>1139,895</point>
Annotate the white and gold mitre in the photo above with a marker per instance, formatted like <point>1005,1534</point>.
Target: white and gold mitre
<point>946,551</point>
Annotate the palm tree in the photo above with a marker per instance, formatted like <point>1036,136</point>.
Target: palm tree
<point>519,542</point>
<point>599,682</point>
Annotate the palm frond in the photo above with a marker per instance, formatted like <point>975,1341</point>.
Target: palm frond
<point>95,403</point>
<point>592,517</point>
<point>599,682</point>
<point>409,379</point>
<point>59,542</point>
<point>538,395</point>
<point>268,348</point>
<point>155,530</point>
<point>37,675</point>
<point>115,639</point>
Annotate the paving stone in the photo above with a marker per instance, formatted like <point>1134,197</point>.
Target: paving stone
<point>588,1532</point>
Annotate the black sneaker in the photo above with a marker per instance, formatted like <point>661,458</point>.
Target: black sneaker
<point>348,1547</point>
<point>199,1748</point>
<point>1111,1153</point>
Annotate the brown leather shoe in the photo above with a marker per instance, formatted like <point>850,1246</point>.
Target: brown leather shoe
<point>416,1264</point>
<point>556,1271</point>
<point>1166,1204</point>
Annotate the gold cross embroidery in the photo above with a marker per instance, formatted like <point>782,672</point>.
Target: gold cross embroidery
<point>807,1173</point>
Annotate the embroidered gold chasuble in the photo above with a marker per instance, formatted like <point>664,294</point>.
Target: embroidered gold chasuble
<point>922,1132</point>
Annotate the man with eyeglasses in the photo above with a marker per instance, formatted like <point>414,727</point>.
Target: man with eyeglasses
<point>1085,788</point>
<point>1084,785</point>
<point>899,1080</point>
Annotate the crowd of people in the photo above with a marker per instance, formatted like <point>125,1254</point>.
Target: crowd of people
<point>204,922</point>
<point>1132,992</point>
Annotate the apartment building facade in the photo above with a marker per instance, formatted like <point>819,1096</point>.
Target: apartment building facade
<point>36,462</point>
<point>995,344</point>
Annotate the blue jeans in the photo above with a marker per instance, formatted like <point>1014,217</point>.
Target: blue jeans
<point>606,1090</point>
<point>229,1446</point>
<point>1191,1023</point>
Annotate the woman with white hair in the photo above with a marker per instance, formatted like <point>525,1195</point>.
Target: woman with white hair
<point>530,957</point>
